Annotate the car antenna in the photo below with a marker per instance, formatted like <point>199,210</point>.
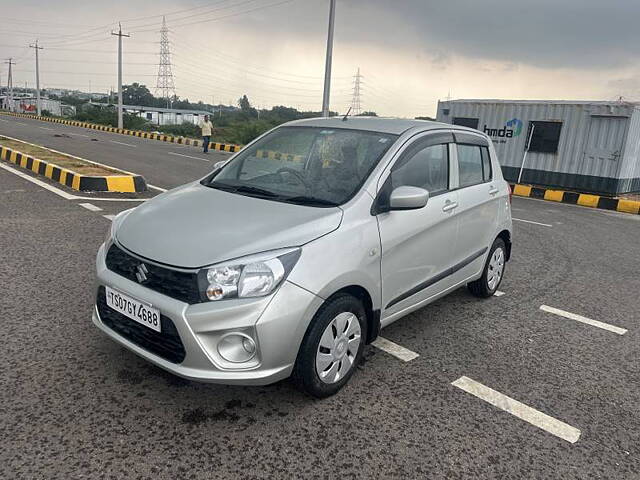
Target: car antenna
<point>344,119</point>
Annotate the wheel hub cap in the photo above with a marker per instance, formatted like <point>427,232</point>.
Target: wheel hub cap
<point>496,268</point>
<point>338,348</point>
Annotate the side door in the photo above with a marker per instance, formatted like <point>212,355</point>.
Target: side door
<point>604,146</point>
<point>478,204</point>
<point>418,245</point>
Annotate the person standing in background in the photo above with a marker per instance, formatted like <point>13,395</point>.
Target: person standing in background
<point>207,128</point>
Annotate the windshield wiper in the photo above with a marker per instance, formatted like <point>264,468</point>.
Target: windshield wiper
<point>306,200</point>
<point>243,189</point>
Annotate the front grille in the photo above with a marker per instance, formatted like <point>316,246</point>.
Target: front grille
<point>165,344</point>
<point>179,285</point>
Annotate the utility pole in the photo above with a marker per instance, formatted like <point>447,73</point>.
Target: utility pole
<point>356,107</point>
<point>327,66</point>
<point>10,104</point>
<point>38,103</point>
<point>120,35</point>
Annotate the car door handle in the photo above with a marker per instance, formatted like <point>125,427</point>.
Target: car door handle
<point>493,190</point>
<point>449,206</point>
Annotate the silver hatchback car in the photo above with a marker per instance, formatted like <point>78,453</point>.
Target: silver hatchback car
<point>291,256</point>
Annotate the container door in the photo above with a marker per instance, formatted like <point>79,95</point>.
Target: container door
<point>604,146</point>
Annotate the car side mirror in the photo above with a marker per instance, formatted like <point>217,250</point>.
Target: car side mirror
<point>408,198</point>
<point>220,164</point>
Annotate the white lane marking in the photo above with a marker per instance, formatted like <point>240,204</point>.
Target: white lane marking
<point>498,293</point>
<point>90,206</point>
<point>580,318</point>
<point>160,189</point>
<point>5,121</point>
<point>109,217</point>
<point>125,144</point>
<point>518,409</point>
<point>46,128</point>
<point>188,156</point>
<point>394,349</point>
<point>529,221</point>
<point>40,183</point>
<point>19,123</point>
<point>79,134</point>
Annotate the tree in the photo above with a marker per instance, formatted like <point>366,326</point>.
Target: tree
<point>368,114</point>
<point>137,94</point>
<point>244,104</point>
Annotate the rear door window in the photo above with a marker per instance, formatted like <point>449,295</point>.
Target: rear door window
<point>470,165</point>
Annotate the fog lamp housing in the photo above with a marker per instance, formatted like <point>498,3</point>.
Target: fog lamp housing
<point>237,347</point>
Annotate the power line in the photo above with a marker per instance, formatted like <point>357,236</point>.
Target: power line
<point>215,19</point>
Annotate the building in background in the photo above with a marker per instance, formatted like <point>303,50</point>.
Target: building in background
<point>162,116</point>
<point>577,145</point>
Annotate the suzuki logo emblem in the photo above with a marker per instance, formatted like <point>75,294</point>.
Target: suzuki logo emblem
<point>141,273</point>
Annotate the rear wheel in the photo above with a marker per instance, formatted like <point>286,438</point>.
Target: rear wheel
<point>493,271</point>
<point>332,347</point>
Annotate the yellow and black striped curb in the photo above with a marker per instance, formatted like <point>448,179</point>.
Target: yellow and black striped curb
<point>223,147</point>
<point>125,183</point>
<point>574,198</point>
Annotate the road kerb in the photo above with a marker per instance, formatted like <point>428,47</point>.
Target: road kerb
<point>125,183</point>
<point>575,198</point>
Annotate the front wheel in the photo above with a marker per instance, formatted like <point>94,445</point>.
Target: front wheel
<point>332,347</point>
<point>493,271</point>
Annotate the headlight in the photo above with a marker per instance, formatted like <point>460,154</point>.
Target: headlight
<point>253,276</point>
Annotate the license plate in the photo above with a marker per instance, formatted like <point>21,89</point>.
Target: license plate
<point>134,309</point>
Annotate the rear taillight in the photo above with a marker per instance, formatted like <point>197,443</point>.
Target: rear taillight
<point>510,192</point>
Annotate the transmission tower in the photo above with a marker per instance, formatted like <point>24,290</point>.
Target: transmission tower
<point>356,107</point>
<point>165,86</point>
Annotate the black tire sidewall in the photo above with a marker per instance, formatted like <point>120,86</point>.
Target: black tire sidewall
<point>305,369</point>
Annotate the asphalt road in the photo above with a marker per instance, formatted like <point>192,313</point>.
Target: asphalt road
<point>162,164</point>
<point>76,405</point>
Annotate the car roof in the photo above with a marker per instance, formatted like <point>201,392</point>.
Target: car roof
<point>395,126</point>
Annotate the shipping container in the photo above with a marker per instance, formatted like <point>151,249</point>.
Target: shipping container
<point>576,145</point>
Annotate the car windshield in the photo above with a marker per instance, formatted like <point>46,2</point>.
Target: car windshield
<point>304,165</point>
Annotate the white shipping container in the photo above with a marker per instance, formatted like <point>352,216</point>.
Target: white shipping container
<point>576,145</point>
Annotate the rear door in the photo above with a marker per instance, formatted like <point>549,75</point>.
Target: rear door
<point>478,204</point>
<point>418,246</point>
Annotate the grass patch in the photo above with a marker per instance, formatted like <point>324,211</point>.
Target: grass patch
<point>59,159</point>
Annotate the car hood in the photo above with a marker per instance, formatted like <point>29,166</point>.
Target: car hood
<point>195,226</point>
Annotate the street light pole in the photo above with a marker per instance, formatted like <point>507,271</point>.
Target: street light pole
<point>119,35</point>
<point>327,66</point>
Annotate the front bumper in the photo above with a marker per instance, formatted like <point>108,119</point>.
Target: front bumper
<point>276,322</point>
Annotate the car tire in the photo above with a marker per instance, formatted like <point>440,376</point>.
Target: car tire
<point>328,356</point>
<point>488,283</point>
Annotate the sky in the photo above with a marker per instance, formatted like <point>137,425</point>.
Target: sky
<point>410,53</point>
